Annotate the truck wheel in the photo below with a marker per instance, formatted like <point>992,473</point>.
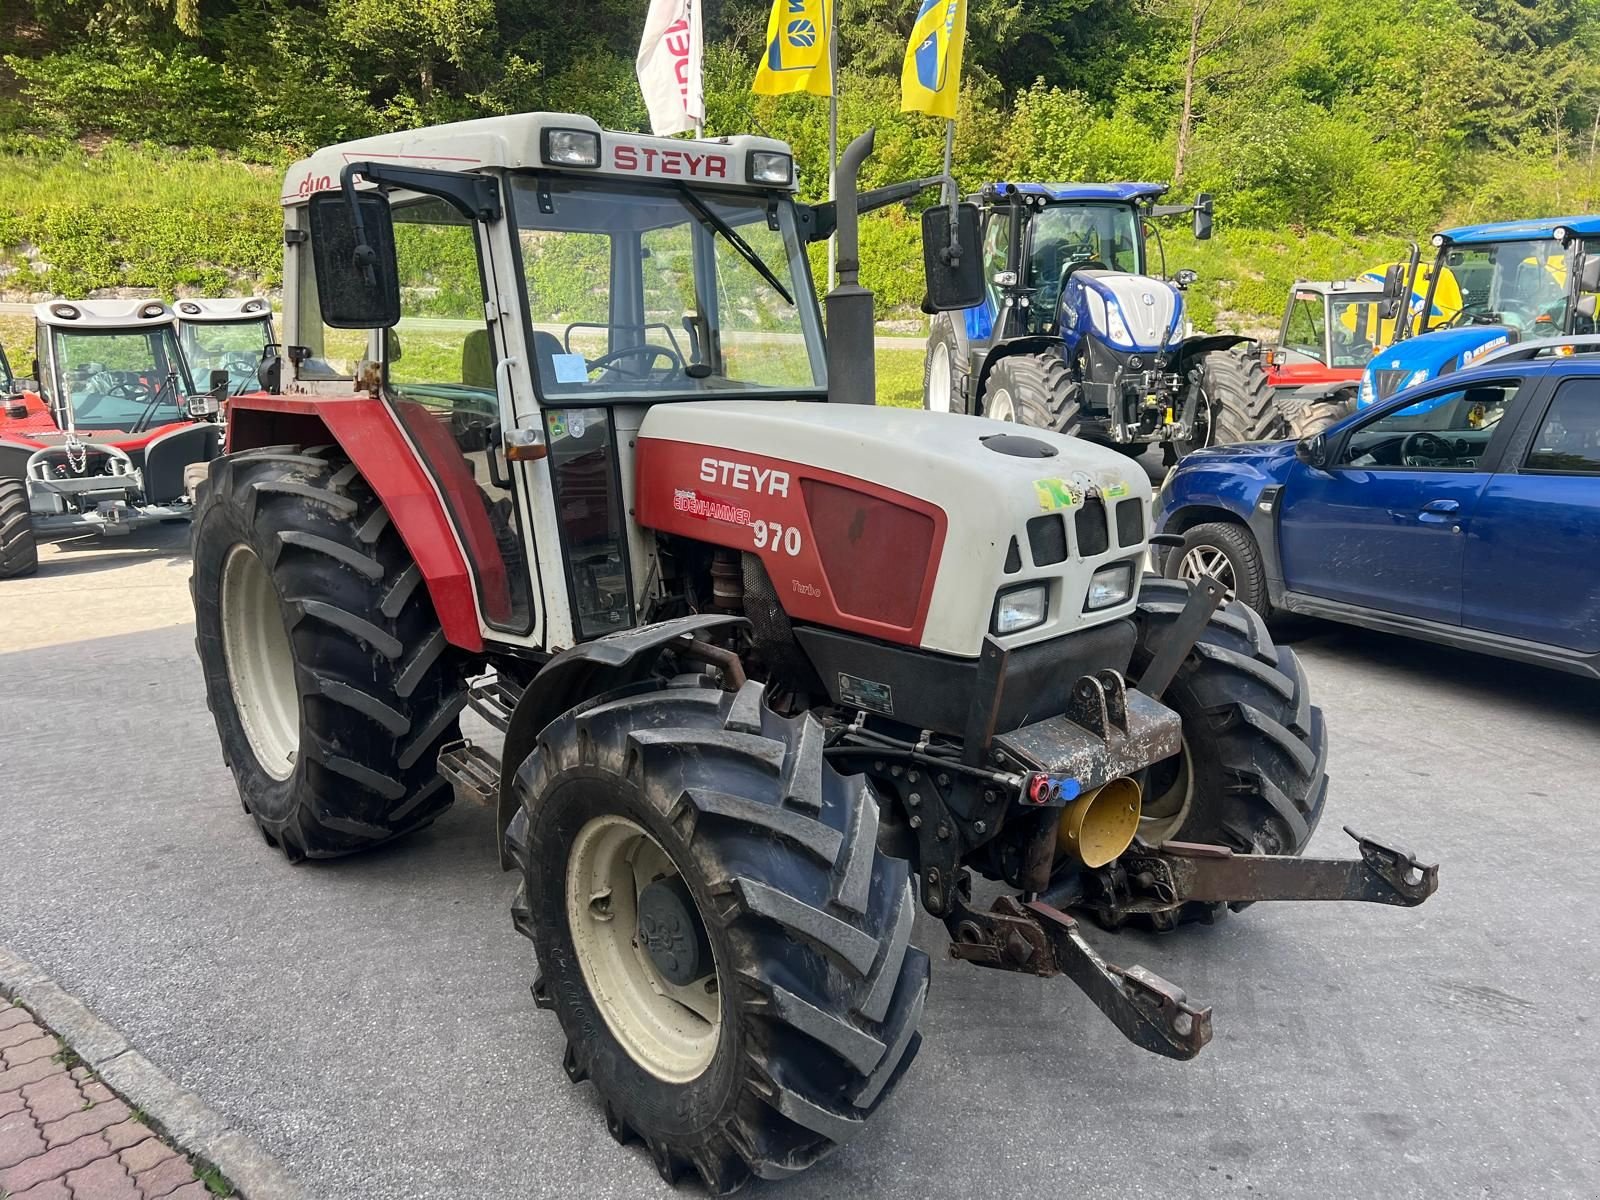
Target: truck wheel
<point>1252,774</point>
<point>1034,389</point>
<point>326,671</point>
<point>19,553</point>
<point>724,944</point>
<point>1235,403</point>
<point>944,367</point>
<point>1229,554</point>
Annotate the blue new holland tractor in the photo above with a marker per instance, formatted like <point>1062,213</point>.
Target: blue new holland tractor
<point>1077,335</point>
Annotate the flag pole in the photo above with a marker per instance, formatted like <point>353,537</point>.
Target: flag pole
<point>833,131</point>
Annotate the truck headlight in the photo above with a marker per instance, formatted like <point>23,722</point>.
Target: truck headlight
<point>1019,608</point>
<point>1109,586</point>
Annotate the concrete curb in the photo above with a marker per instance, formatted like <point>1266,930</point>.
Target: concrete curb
<point>192,1125</point>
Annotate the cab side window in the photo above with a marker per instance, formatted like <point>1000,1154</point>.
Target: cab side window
<point>1568,441</point>
<point>996,245</point>
<point>1305,329</point>
<point>1447,431</point>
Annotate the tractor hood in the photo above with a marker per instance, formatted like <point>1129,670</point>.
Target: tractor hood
<point>899,524</point>
<point>1427,356</point>
<point>1128,312</point>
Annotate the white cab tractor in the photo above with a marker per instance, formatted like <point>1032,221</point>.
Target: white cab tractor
<point>110,433</point>
<point>229,335</point>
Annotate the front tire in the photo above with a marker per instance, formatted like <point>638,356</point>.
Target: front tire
<point>1253,772</point>
<point>326,671</point>
<point>1229,554</point>
<point>1235,403</point>
<point>1034,389</point>
<point>802,925</point>
<point>19,550</point>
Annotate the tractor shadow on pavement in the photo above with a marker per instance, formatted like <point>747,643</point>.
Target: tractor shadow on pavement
<point>90,553</point>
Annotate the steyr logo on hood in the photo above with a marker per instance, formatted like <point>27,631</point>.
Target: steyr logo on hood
<point>744,476</point>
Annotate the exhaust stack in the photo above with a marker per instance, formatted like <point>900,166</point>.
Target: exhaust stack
<point>852,371</point>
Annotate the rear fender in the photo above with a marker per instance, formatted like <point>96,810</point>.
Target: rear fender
<point>365,430</point>
<point>574,676</point>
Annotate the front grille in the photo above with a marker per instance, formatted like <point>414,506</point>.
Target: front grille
<point>1047,540</point>
<point>1130,521</point>
<point>1090,524</point>
<point>1388,382</point>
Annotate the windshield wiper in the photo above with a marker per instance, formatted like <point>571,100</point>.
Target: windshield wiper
<point>155,402</point>
<point>733,239</point>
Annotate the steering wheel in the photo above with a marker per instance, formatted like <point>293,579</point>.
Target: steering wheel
<point>1423,444</point>
<point>644,348</point>
<point>107,385</point>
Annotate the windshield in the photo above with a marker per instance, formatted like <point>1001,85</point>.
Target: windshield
<point>121,379</point>
<point>1354,330</point>
<point>1522,284</point>
<point>231,346</point>
<point>1064,234</point>
<point>634,290</point>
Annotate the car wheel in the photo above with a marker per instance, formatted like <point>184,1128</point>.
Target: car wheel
<point>1229,554</point>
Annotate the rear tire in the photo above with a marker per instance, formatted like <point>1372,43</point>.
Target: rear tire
<point>1235,403</point>
<point>944,367</point>
<point>19,551</point>
<point>326,671</point>
<point>1308,420</point>
<point>1034,389</point>
<point>806,927</point>
<point>1253,771</point>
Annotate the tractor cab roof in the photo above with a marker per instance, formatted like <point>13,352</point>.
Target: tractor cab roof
<point>1534,229</point>
<point>102,314</point>
<point>203,311</point>
<point>526,141</point>
<point>1367,287</point>
<point>1127,193</point>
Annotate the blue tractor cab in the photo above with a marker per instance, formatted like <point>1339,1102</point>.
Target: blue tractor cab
<point>1079,332</point>
<point>1490,286</point>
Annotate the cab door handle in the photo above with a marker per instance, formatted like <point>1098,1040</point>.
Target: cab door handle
<point>1439,512</point>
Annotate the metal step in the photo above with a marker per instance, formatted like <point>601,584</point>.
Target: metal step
<point>494,699</point>
<point>472,771</point>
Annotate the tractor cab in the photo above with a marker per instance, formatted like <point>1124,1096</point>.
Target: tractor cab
<point>1330,329</point>
<point>231,335</point>
<point>109,434</point>
<point>1488,287</point>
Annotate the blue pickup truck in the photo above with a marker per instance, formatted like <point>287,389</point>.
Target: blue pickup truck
<point>1465,510</point>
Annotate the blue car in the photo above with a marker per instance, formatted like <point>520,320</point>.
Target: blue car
<point>1465,510</point>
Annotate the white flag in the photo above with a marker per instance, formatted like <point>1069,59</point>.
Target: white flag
<point>669,67</point>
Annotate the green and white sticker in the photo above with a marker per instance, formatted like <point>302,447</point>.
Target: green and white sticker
<point>1055,494</point>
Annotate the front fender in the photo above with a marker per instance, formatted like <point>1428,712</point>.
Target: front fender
<point>1189,350</point>
<point>579,674</point>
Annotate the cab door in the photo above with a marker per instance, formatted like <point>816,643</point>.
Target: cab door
<point>446,379</point>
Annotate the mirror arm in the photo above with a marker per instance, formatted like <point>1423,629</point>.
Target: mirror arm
<point>476,197</point>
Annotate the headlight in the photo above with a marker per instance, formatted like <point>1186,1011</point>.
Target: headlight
<point>1109,586</point>
<point>1116,327</point>
<point>571,148</point>
<point>1019,608</point>
<point>1365,395</point>
<point>768,166</point>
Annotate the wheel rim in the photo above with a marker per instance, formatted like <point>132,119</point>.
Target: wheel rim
<point>1161,816</point>
<point>939,379</point>
<point>255,645</point>
<point>669,1030</point>
<point>1207,560</point>
<point>1001,407</point>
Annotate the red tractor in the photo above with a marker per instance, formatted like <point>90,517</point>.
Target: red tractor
<point>109,435</point>
<point>557,437</point>
<point>1330,332</point>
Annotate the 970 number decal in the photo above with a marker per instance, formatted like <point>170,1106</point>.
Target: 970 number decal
<point>785,538</point>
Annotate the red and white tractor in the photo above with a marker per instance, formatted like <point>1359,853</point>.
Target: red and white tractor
<point>557,437</point>
<point>231,335</point>
<point>108,433</point>
<point>1330,332</point>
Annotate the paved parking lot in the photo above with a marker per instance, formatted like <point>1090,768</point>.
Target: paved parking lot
<point>369,1021</point>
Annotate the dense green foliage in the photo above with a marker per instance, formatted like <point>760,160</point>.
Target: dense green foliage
<point>1328,129</point>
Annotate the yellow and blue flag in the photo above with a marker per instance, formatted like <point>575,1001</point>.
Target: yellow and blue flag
<point>931,77</point>
<point>796,58</point>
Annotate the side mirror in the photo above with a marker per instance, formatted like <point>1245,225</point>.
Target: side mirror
<point>1313,451</point>
<point>221,383</point>
<point>1204,209</point>
<point>269,371</point>
<point>352,244</point>
<point>1589,274</point>
<point>1185,277</point>
<point>953,265</point>
<point>1394,292</point>
<point>1587,306</point>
